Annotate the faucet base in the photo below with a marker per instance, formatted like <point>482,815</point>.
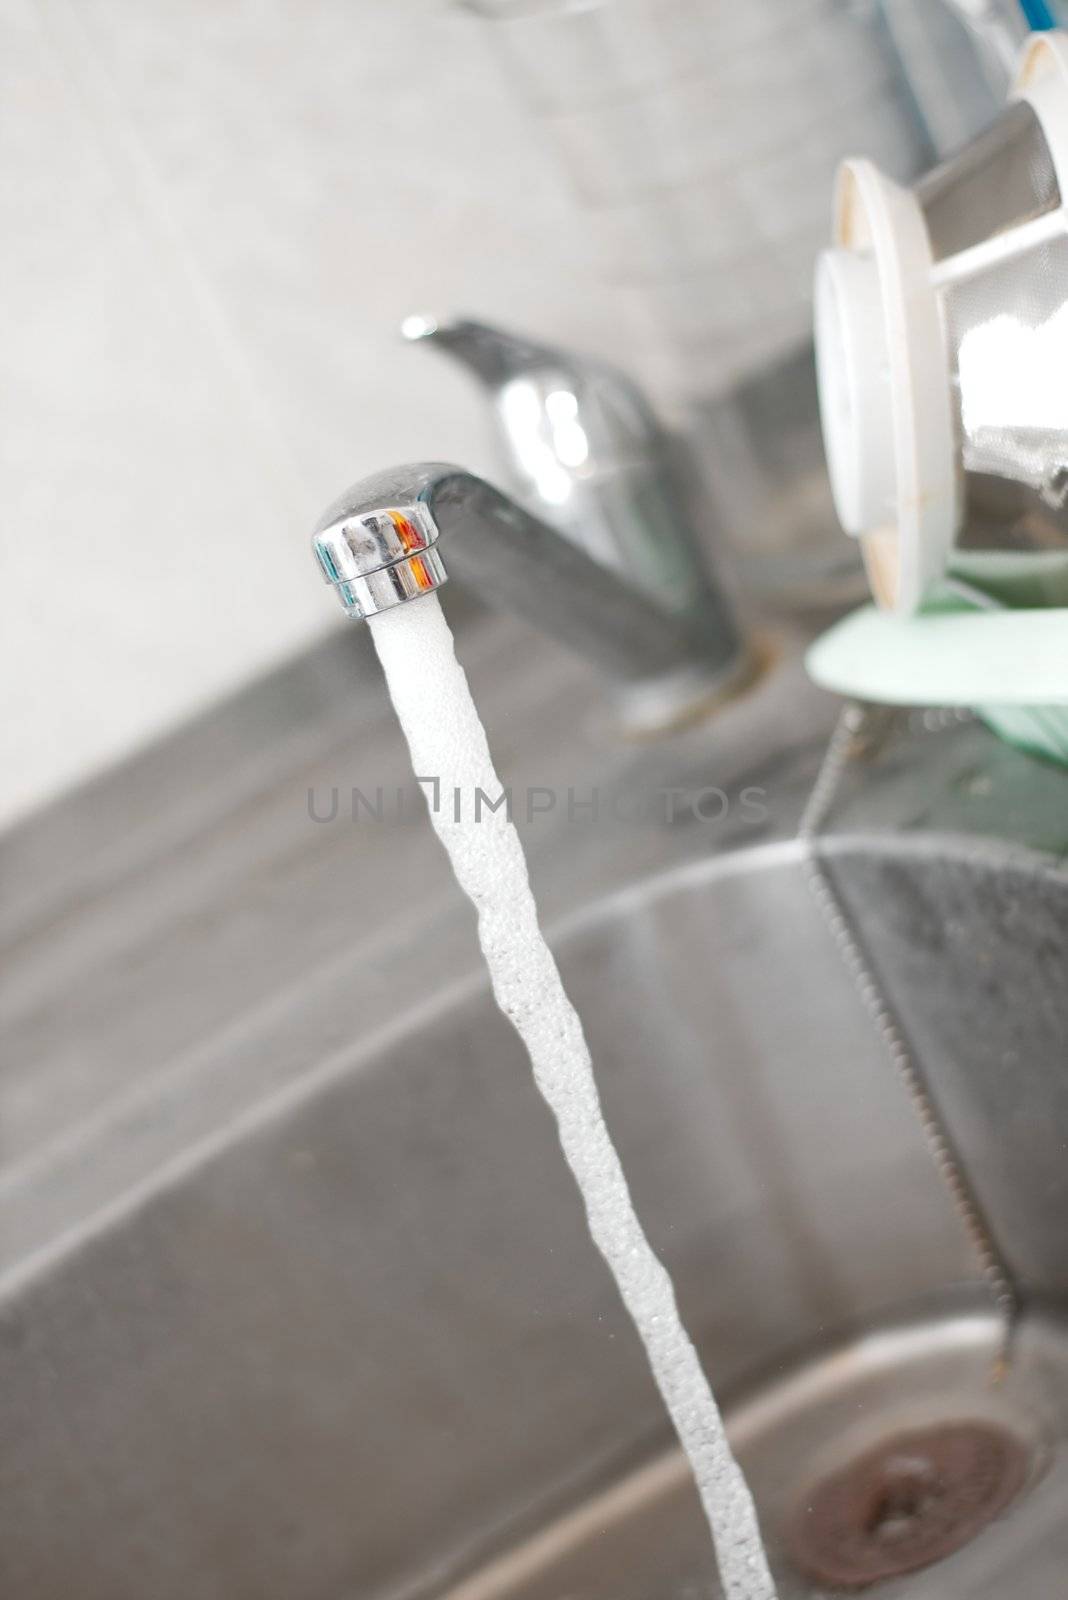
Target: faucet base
<point>678,699</point>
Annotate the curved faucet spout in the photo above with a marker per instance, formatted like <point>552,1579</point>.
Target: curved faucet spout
<point>400,534</point>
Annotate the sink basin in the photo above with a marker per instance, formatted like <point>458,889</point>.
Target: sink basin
<point>296,1298</point>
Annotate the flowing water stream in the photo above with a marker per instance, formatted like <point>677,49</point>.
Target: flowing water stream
<point>451,757</point>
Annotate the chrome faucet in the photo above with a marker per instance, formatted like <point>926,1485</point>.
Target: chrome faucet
<point>584,451</point>
<point>602,556</point>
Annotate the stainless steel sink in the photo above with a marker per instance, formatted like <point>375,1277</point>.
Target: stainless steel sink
<point>296,1295</point>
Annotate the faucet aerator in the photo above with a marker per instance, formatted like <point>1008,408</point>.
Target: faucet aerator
<point>379,558</point>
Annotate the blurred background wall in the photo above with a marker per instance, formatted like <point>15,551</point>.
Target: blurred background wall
<point>215,213</point>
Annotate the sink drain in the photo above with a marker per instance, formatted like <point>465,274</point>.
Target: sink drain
<point>911,1500</point>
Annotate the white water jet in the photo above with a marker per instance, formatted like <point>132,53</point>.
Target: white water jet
<point>449,750</point>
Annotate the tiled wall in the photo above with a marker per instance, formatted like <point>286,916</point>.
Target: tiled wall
<point>701,137</point>
<point>215,213</point>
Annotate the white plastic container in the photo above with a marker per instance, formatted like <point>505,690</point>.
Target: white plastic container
<point>942,344</point>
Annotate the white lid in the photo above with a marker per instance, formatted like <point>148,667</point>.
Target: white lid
<point>885,388</point>
<point>853,373</point>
